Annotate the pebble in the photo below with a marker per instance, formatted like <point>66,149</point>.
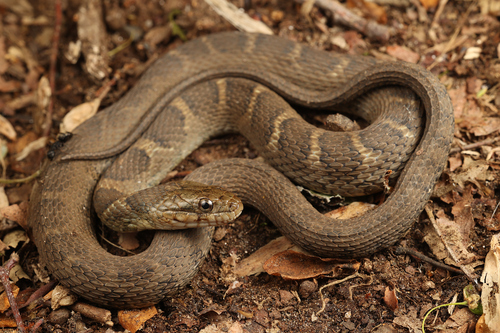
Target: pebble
<point>306,288</point>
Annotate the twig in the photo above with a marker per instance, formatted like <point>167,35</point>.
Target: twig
<point>40,292</point>
<point>458,28</point>
<point>98,314</point>
<point>439,11</point>
<point>474,145</point>
<point>344,16</point>
<point>53,62</point>
<point>21,180</point>
<point>4,277</point>
<point>413,253</point>
<point>238,19</point>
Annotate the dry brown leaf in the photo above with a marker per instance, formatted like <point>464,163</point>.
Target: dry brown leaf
<point>17,273</point>
<point>9,86</point>
<point>462,211</point>
<point>369,9</point>
<point>458,321</point>
<point>253,264</point>
<point>409,320</point>
<point>458,98</point>
<point>3,63</point>
<point>14,237</point>
<point>4,301</point>
<point>475,172</point>
<point>299,266</point>
<point>13,212</point>
<point>403,53</point>
<point>7,321</point>
<point>455,163</point>
<point>490,297</point>
<point>352,210</point>
<point>20,7</point>
<point>453,236</point>
<point>157,35</point>
<point>3,247</point>
<point>428,4</point>
<point>390,299</point>
<point>446,242</point>
<point>133,320</point>
<point>32,146</point>
<point>79,114</point>
<point>22,142</point>
<point>486,126</point>
<point>7,129</point>
<point>62,296</point>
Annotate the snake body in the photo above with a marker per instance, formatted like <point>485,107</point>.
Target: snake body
<point>236,82</point>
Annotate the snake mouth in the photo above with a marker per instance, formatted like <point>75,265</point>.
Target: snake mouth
<point>186,220</point>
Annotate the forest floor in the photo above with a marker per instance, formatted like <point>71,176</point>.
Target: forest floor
<point>458,41</point>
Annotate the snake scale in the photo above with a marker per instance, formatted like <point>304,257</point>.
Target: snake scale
<point>238,82</point>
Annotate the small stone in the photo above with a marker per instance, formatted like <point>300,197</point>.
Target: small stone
<point>116,18</point>
<point>277,15</point>
<point>220,233</point>
<point>275,314</point>
<point>428,285</point>
<point>349,325</point>
<point>368,265</point>
<point>307,288</point>
<point>261,317</point>
<point>410,270</point>
<point>285,297</point>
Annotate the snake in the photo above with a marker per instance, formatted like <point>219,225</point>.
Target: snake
<point>250,84</point>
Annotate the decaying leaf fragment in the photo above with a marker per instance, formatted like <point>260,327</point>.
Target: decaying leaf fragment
<point>299,266</point>
<point>133,320</point>
<point>490,296</point>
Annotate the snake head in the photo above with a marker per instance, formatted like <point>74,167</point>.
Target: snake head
<point>178,205</point>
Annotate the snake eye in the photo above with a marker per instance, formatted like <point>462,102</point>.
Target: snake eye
<point>206,204</point>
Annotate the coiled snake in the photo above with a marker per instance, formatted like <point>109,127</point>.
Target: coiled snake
<point>236,82</point>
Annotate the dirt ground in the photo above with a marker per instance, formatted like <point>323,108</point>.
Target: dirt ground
<point>459,41</point>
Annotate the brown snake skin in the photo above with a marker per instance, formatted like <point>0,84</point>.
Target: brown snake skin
<point>216,67</point>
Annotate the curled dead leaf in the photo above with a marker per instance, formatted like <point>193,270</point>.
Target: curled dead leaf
<point>32,146</point>
<point>4,301</point>
<point>62,296</point>
<point>390,299</point>
<point>79,114</point>
<point>490,278</point>
<point>6,129</point>
<point>299,266</point>
<point>133,320</point>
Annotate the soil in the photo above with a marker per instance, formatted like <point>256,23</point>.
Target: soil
<point>460,44</point>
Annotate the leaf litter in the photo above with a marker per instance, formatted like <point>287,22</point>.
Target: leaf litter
<point>458,41</point>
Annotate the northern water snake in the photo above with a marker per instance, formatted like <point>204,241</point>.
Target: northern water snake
<point>218,66</point>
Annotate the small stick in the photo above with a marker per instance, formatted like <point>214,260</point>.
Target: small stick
<point>474,145</point>
<point>98,314</point>
<point>4,277</point>
<point>40,292</point>
<point>53,62</point>
<point>413,253</point>
<point>20,180</point>
<point>346,17</point>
